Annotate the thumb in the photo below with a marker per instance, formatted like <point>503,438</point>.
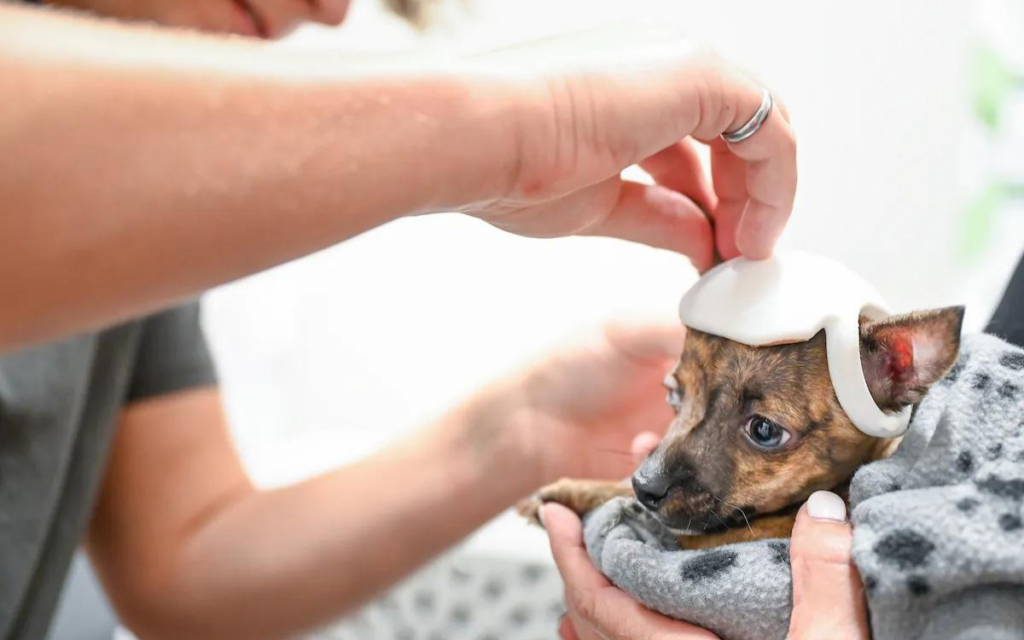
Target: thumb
<point>828,599</point>
<point>642,446</point>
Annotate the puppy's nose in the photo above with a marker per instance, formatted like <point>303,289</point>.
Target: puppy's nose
<point>651,489</point>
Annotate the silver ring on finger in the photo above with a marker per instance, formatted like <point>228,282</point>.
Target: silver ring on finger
<point>754,124</point>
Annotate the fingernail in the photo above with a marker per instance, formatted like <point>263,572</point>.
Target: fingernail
<point>540,515</point>
<point>825,505</point>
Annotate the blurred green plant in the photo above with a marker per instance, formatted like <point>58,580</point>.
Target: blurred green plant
<point>994,81</point>
<point>978,221</point>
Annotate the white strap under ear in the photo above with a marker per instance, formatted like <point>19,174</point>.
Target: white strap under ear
<point>790,298</point>
<point>842,343</point>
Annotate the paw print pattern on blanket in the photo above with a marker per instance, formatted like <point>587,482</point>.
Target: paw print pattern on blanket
<point>740,591</point>
<point>938,528</point>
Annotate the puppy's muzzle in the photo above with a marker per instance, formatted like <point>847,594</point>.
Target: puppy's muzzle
<point>651,490</point>
<point>653,484</point>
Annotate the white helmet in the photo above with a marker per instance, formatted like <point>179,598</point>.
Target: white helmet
<point>789,298</point>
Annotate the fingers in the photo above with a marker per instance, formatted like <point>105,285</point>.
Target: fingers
<point>828,600</point>
<point>329,12</point>
<point>656,91</point>
<point>647,343</point>
<point>770,155</point>
<point>662,218</point>
<point>565,532</point>
<point>643,444</point>
<point>760,172</point>
<point>679,168</point>
<point>598,608</point>
<point>730,175</point>
<point>754,180</point>
<point>566,629</point>
<point>580,630</point>
<point>780,104</point>
<point>280,17</point>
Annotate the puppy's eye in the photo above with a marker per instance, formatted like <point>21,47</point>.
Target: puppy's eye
<point>674,399</point>
<point>766,434</point>
<point>675,394</point>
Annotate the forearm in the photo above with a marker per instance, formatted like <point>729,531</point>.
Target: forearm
<point>273,563</point>
<point>140,166</point>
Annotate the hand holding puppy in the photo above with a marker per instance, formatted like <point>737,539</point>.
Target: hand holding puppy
<point>828,597</point>
<point>828,600</point>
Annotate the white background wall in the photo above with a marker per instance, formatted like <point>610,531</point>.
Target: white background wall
<point>327,357</point>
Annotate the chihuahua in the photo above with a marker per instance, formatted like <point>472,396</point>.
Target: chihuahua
<point>759,429</point>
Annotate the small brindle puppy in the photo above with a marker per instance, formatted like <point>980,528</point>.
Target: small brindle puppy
<point>759,429</point>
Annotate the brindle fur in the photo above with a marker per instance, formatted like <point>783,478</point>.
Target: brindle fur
<point>729,489</point>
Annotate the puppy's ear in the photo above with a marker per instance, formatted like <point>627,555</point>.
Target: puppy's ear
<point>904,355</point>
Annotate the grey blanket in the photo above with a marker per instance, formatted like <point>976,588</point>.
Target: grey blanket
<point>938,528</point>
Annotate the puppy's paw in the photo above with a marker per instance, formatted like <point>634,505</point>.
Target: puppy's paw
<point>529,508</point>
<point>581,496</point>
<point>560,492</point>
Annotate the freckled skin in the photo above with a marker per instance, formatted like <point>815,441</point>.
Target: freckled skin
<point>726,489</point>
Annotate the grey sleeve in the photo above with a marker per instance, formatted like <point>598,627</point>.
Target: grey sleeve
<point>172,354</point>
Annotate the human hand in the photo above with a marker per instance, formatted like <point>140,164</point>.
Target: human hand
<point>828,601</point>
<point>597,609</point>
<point>596,103</point>
<point>828,596</point>
<point>579,411</point>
